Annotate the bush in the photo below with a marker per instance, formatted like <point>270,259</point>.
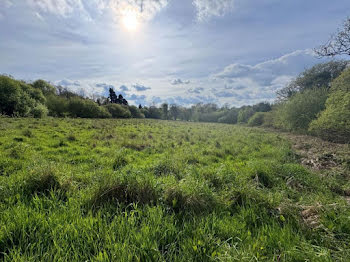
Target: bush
<point>269,119</point>
<point>17,98</point>
<point>58,106</point>
<point>334,122</point>
<point>230,117</point>
<point>40,111</point>
<point>257,119</point>
<point>45,87</point>
<point>79,107</point>
<point>118,111</point>
<point>297,113</point>
<point>244,114</point>
<point>135,112</point>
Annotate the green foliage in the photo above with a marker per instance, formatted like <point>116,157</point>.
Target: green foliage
<point>85,108</point>
<point>334,122</point>
<point>135,112</point>
<point>118,111</point>
<point>39,111</point>
<point>45,87</point>
<point>257,119</point>
<point>244,114</point>
<point>297,113</point>
<point>57,105</point>
<point>18,98</point>
<point>319,76</point>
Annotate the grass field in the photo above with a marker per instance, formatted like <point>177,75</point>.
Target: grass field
<point>143,190</point>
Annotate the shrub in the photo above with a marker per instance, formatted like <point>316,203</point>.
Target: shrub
<point>269,119</point>
<point>14,98</point>
<point>118,111</point>
<point>244,114</point>
<point>297,113</point>
<point>257,119</point>
<point>334,122</point>
<point>58,106</point>
<point>85,108</point>
<point>135,112</point>
<point>44,86</point>
<point>230,117</point>
<point>39,111</point>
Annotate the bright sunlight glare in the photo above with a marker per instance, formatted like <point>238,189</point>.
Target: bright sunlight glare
<point>130,21</point>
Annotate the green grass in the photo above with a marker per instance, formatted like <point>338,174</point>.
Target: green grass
<point>146,190</point>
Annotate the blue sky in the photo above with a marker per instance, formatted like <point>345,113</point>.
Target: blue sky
<point>177,51</point>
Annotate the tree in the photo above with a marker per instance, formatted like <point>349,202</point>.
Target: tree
<point>112,96</point>
<point>244,114</point>
<point>318,76</point>
<point>135,112</point>
<point>44,86</point>
<point>174,111</point>
<point>338,44</point>
<point>118,111</point>
<point>165,110</point>
<point>18,98</point>
<point>334,122</point>
<point>296,113</point>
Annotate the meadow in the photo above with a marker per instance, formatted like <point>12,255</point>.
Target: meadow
<point>153,190</point>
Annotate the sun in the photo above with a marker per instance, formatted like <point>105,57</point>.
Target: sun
<point>130,21</point>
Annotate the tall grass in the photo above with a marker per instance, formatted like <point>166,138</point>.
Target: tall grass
<point>146,190</point>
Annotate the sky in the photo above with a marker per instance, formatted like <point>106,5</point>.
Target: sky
<point>234,52</point>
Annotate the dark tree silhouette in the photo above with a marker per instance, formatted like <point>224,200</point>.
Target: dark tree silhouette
<point>112,96</point>
<point>140,106</point>
<point>338,44</point>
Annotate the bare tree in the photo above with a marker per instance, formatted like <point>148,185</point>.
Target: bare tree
<point>338,44</point>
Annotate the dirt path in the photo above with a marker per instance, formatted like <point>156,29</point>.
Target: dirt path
<point>321,156</point>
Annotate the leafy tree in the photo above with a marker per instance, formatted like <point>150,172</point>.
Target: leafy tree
<point>85,108</point>
<point>257,119</point>
<point>165,110</point>
<point>135,112</point>
<point>244,114</point>
<point>334,122</point>
<point>153,112</point>
<point>10,93</point>
<point>319,76</point>
<point>262,107</point>
<point>57,105</point>
<point>18,98</point>
<point>174,111</point>
<point>297,113</point>
<point>44,86</point>
<point>230,116</point>
<point>118,111</point>
<point>338,44</point>
<point>40,111</point>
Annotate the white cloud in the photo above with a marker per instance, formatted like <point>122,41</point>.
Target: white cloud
<point>209,8</point>
<point>144,10</point>
<point>270,71</point>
